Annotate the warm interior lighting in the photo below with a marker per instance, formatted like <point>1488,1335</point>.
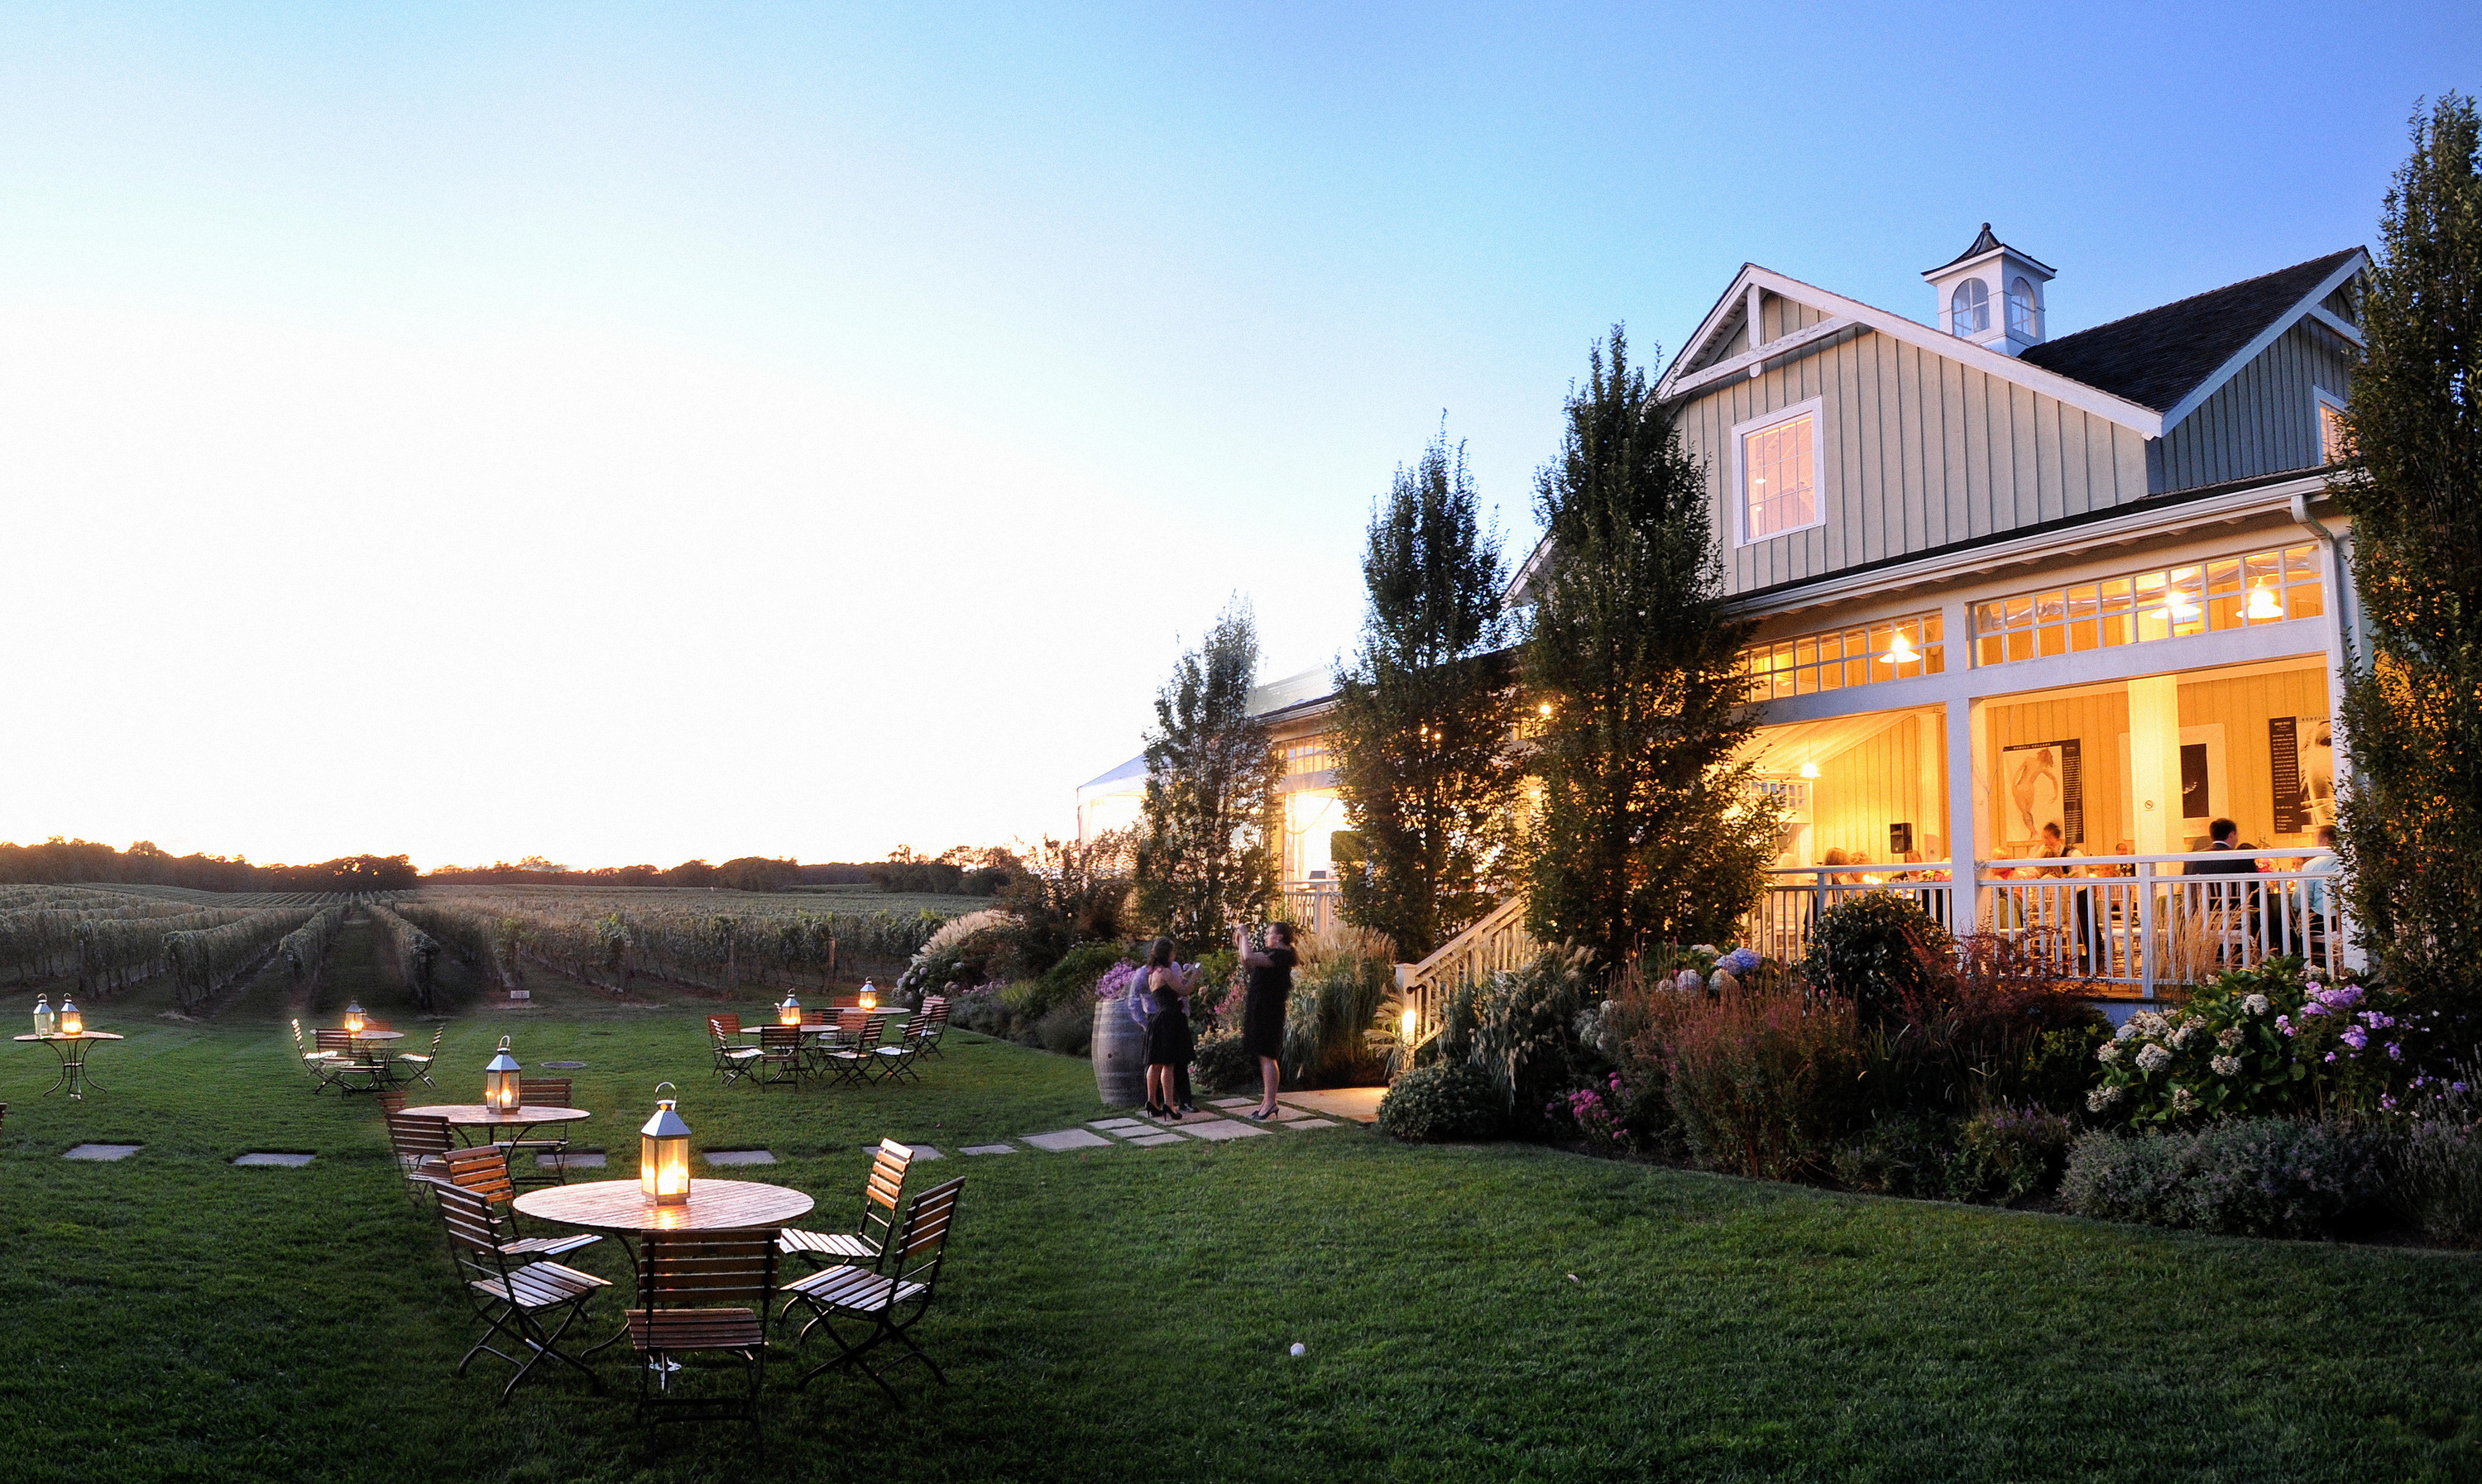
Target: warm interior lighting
<point>664,1153</point>
<point>1543,709</point>
<point>2265,605</point>
<point>500,1080</point>
<point>354,1022</point>
<point>1902,651</point>
<point>1809,770</point>
<point>789,1013</point>
<point>2179,609</point>
<point>71,1022</point>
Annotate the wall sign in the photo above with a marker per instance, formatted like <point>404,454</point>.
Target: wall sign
<point>2040,783</point>
<point>2302,752</point>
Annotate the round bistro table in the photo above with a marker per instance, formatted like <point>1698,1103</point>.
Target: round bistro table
<point>71,1051</point>
<point>623,1210</point>
<point>481,1115</point>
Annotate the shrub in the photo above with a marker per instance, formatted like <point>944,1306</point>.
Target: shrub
<point>1225,1065</point>
<point>2005,1155</point>
<point>1073,976</point>
<point>1764,1083</point>
<point>2434,1180</point>
<point>1526,1038</point>
<point>1441,1101</point>
<point>2256,1042</point>
<point>981,1011</point>
<point>1897,1155</point>
<point>1336,997</point>
<point>1595,1112</point>
<point>1880,950</point>
<point>2260,1176</point>
<point>1067,1028</point>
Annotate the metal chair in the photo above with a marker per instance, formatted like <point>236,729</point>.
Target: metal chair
<point>882,1192</point>
<point>853,1059</point>
<point>889,1302</point>
<point>732,1062</point>
<point>934,1016</point>
<point>732,1277</point>
<point>781,1058</point>
<point>517,1300</point>
<point>417,1065</point>
<point>897,1061</point>
<point>328,1068</point>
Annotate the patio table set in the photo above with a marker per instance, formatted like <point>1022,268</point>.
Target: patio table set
<point>360,1055</point>
<point>843,1043</point>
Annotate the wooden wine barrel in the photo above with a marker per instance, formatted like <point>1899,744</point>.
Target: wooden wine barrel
<point>1120,1055</point>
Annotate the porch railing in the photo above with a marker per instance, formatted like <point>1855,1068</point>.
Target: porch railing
<point>2137,923</point>
<point>1499,942</point>
<point>1312,906</point>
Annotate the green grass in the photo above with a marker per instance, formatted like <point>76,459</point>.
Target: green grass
<point>1504,1311</point>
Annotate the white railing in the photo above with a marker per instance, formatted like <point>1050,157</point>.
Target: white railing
<point>2136,923</point>
<point>1499,942</point>
<point>1312,906</point>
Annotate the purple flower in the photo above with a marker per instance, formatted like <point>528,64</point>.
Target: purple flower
<point>2395,1051</point>
<point>2456,1087</point>
<point>2356,1037</point>
<point>2313,1008</point>
<point>2331,1056</point>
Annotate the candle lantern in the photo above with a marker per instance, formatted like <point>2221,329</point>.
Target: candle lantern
<point>500,1080</point>
<point>869,995</point>
<point>72,1024</point>
<point>789,1013</point>
<point>42,1015</point>
<point>353,1020</point>
<point>664,1153</point>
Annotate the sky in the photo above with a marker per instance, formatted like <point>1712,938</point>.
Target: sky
<point>629,434</point>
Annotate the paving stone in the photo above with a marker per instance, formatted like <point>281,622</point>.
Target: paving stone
<point>1118,1123</point>
<point>1221,1129</point>
<point>282,1161</point>
<point>577,1161</point>
<point>921,1151</point>
<point>991,1148</point>
<point>740,1156</point>
<point>1151,1140</point>
<point>103,1152</point>
<point>1236,1103</point>
<point>1067,1139</point>
<point>562,1066</point>
<point>1312,1122</point>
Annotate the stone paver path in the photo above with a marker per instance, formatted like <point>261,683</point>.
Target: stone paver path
<point>279,1161</point>
<point>991,1148</point>
<point>1359,1105</point>
<point>741,1157</point>
<point>577,1161</point>
<point>1295,1110</point>
<point>103,1152</point>
<point>1151,1140</point>
<point>1067,1138</point>
<point>1118,1123</point>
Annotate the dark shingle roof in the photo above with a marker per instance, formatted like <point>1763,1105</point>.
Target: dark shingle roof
<point>2159,357</point>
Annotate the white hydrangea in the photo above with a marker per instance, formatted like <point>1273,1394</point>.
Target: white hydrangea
<point>2256,1004</point>
<point>2153,1058</point>
<point>2127,1028</point>
<point>2108,1052</point>
<point>2187,1033</point>
<point>2225,1066</point>
<point>2148,1022</point>
<point>2183,1100</point>
<point>2100,1099</point>
<point>2229,1038</point>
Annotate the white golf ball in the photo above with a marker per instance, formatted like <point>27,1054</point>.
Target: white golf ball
<point>1299,1349</point>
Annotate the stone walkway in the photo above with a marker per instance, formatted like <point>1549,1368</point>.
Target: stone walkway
<point>1222,1123</point>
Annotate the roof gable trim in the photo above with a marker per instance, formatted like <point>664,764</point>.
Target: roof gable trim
<point>2309,304</point>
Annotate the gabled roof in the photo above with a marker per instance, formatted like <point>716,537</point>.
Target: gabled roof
<point>2162,357</point>
<point>1987,242</point>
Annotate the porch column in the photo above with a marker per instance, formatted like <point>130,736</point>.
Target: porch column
<point>1968,793</point>
<point>2155,763</point>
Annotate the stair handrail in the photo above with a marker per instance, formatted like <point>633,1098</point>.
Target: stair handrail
<point>1497,940</point>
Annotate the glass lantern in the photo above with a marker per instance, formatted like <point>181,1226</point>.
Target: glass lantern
<point>664,1153</point>
<point>789,1013</point>
<point>42,1015</point>
<point>869,995</point>
<point>71,1022</point>
<point>500,1080</point>
<point>1409,1024</point>
<point>353,1020</point>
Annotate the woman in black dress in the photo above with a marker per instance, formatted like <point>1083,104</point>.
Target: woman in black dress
<point>1169,1045</point>
<point>1262,1008</point>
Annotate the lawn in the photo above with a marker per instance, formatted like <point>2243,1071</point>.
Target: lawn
<point>1502,1311</point>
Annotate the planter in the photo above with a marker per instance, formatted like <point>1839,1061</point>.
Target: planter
<point>1119,1054</point>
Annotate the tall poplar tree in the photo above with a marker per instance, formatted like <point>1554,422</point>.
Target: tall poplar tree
<point>1206,856</point>
<point>1424,712</point>
<point>1647,832</point>
<point>2412,818</point>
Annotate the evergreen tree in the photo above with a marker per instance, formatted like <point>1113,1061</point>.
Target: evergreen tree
<point>1424,715</point>
<point>1647,832</point>
<point>2411,826</point>
<point>1207,857</point>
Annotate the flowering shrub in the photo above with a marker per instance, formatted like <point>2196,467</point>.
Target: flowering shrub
<point>2005,1155</point>
<point>1114,981</point>
<point>2257,1040</point>
<point>1764,1082</point>
<point>1440,1101</point>
<point>2261,1176</point>
<point>1596,1111</point>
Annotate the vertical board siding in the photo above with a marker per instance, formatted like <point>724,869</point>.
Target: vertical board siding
<point>2095,721</point>
<point>2244,704</point>
<point>1886,779</point>
<point>2262,421</point>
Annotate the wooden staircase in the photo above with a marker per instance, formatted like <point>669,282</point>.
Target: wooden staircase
<point>1499,942</point>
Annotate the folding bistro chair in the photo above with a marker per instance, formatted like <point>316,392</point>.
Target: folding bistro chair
<point>731,1276</point>
<point>934,1016</point>
<point>411,1066</point>
<point>780,1057</point>
<point>326,1067</point>
<point>882,1191</point>
<point>422,1142</point>
<point>898,1060</point>
<point>889,1301</point>
<point>390,1099</point>
<point>542,1092</point>
<point>855,1059</point>
<point>732,1062</point>
<point>484,1171</point>
<point>518,1301</point>
<point>349,1060</point>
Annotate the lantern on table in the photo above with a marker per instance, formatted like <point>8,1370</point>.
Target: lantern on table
<point>500,1080</point>
<point>42,1015</point>
<point>664,1153</point>
<point>353,1020</point>
<point>71,1022</point>
<point>789,1013</point>
<point>869,995</point>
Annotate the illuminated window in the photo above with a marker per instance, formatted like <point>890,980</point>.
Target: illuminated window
<point>2334,442</point>
<point>2021,307</point>
<point>2234,591</point>
<point>1310,756</point>
<point>1779,477</point>
<point>1969,308</point>
<point>1835,659</point>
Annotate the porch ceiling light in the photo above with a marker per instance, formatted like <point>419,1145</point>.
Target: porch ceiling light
<point>1809,770</point>
<point>2263,606</point>
<point>1902,651</point>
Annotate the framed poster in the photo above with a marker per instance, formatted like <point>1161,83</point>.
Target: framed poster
<point>2204,795</point>
<point>2040,783</point>
<point>2301,753</point>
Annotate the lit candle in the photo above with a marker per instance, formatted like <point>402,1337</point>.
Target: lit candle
<point>72,1024</point>
<point>500,1080</point>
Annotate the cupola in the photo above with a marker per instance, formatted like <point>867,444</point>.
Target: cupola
<point>1992,295</point>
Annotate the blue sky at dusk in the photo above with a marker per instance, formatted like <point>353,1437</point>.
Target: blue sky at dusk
<point>628,434</point>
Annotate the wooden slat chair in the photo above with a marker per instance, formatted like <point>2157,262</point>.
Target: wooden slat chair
<point>882,1191</point>
<point>781,1059</point>
<point>423,1143</point>
<point>888,1301</point>
<point>542,1092</point>
<point>518,1299</point>
<point>390,1099</point>
<point>483,1171</point>
<point>897,1061</point>
<point>732,1062</point>
<point>855,1059</point>
<point>934,1023</point>
<point>326,1068</point>
<point>411,1066</point>
<point>354,1065</point>
<point>703,1292</point>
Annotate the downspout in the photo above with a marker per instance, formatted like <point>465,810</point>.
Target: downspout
<point>2348,601</point>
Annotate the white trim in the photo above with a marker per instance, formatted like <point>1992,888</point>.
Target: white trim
<point>2143,421</point>
<point>2325,399</point>
<point>2339,324</point>
<point>2341,276</point>
<point>1751,361</point>
<point>1815,409</point>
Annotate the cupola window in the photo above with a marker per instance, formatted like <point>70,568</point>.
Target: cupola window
<point>2021,308</point>
<point>1970,307</point>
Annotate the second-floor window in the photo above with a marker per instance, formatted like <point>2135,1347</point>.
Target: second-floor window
<point>1779,476</point>
<point>2332,441</point>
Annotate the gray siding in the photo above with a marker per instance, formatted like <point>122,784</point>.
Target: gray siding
<point>2262,421</point>
<point>1915,451</point>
